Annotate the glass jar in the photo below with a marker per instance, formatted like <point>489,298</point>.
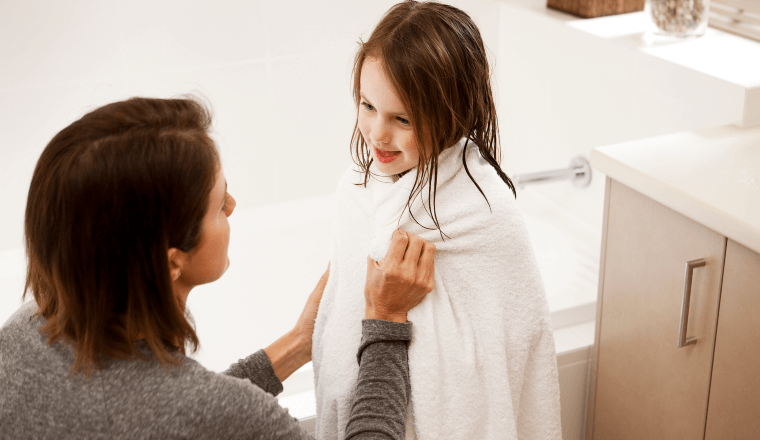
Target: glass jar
<point>680,18</point>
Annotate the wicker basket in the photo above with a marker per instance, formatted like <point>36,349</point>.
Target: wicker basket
<point>596,8</point>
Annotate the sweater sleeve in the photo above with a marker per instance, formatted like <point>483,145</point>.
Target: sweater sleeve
<point>382,391</point>
<point>378,410</point>
<point>258,369</point>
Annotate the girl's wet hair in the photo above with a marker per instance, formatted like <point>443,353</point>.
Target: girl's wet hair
<point>435,58</point>
<point>110,194</point>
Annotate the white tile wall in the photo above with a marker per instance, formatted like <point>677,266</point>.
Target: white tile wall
<point>277,74</point>
<point>178,35</point>
<point>56,42</point>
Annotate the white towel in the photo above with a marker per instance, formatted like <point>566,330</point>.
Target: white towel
<point>482,362</point>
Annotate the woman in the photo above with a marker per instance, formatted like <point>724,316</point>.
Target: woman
<point>126,213</point>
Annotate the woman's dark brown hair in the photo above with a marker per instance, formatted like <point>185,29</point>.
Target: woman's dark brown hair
<point>110,194</point>
<point>435,58</point>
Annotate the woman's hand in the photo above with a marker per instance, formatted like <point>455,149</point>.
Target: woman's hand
<point>401,280</point>
<point>293,350</point>
<point>305,326</point>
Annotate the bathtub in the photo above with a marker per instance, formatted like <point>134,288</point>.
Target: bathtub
<point>278,253</point>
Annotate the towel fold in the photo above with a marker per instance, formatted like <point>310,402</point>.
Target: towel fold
<point>482,362</point>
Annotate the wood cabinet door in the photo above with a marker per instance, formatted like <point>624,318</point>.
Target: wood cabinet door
<point>646,387</point>
<point>734,408</point>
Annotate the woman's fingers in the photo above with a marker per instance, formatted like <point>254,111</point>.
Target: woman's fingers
<point>413,250</point>
<point>426,265</point>
<point>431,278</point>
<point>399,242</point>
<point>320,289</point>
<point>403,280</point>
<point>312,303</point>
<point>305,325</point>
<point>426,258</point>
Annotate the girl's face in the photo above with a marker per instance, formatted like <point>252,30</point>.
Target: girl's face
<point>383,122</point>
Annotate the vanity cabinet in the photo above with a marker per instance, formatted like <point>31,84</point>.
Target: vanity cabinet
<point>734,410</point>
<point>676,353</point>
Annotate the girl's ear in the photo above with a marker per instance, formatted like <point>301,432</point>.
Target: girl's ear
<point>177,260</point>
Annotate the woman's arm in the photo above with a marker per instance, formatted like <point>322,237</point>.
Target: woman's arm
<point>258,369</point>
<point>268,368</point>
<point>382,388</point>
<point>393,287</point>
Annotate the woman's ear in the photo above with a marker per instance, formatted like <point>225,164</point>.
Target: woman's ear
<point>177,260</point>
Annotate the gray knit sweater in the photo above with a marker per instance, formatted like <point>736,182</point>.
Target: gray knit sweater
<point>39,399</point>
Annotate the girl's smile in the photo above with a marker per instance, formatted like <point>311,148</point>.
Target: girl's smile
<point>386,156</point>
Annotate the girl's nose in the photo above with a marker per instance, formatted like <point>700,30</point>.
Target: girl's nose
<point>380,132</point>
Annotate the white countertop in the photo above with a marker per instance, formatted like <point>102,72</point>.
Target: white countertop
<point>711,176</point>
<point>715,78</point>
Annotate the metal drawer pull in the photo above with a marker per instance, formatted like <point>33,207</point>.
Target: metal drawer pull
<point>690,266</point>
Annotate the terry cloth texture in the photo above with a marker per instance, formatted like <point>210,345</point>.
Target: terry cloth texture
<point>140,400</point>
<point>482,362</point>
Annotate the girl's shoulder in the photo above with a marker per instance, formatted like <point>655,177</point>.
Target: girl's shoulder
<point>355,180</point>
<point>478,175</point>
<point>352,175</point>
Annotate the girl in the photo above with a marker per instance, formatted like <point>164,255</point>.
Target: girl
<point>482,363</point>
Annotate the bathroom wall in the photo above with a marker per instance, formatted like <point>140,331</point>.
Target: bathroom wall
<point>277,74</point>
<point>563,93</point>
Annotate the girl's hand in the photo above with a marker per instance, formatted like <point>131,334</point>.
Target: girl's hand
<point>401,280</point>
<point>304,328</point>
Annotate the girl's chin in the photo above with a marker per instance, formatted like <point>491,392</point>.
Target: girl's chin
<point>394,167</point>
<point>390,169</point>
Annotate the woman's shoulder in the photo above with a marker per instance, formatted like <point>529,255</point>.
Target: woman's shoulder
<point>227,406</point>
<point>22,316</point>
<point>18,334</point>
<point>142,395</point>
<point>194,399</point>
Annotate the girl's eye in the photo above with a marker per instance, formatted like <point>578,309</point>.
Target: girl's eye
<point>403,121</point>
<point>368,106</point>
